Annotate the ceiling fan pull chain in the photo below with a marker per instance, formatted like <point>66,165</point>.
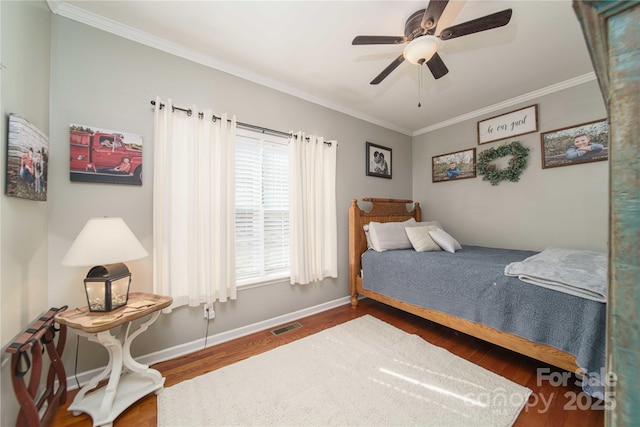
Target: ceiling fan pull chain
<point>419,86</point>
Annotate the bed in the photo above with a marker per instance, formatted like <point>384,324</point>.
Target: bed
<point>491,306</point>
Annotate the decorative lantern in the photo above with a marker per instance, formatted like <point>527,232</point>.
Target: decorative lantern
<point>107,287</point>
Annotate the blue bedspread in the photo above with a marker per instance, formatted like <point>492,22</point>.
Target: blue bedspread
<point>471,284</point>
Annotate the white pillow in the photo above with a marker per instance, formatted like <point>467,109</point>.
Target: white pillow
<point>386,236</point>
<point>421,239</point>
<point>445,240</point>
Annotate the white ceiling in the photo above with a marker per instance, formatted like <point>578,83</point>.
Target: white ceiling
<point>304,48</point>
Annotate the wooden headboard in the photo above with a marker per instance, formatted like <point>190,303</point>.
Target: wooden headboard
<point>382,210</point>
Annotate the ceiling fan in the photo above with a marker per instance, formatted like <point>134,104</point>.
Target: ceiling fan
<point>419,32</point>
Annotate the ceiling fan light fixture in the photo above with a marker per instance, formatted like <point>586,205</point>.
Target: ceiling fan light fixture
<point>421,49</point>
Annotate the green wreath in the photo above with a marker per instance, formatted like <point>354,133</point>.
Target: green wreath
<point>517,163</point>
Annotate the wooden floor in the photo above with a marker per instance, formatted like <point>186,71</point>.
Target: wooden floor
<point>548,405</point>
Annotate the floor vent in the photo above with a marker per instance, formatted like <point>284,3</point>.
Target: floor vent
<point>287,328</point>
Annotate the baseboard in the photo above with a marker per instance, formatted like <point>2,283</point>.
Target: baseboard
<point>199,344</point>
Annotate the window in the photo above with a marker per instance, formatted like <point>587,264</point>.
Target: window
<point>262,207</point>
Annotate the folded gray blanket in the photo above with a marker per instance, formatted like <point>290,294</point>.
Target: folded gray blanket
<point>576,272</point>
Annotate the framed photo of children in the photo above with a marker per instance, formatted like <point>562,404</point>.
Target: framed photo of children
<point>454,166</point>
<point>583,143</point>
<point>103,155</point>
<point>378,161</point>
<point>27,160</point>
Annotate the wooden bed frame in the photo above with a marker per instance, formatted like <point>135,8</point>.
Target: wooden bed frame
<point>388,210</point>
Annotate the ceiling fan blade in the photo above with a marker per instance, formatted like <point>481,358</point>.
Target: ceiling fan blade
<point>388,70</point>
<point>488,22</point>
<point>432,14</point>
<point>436,66</point>
<point>359,40</point>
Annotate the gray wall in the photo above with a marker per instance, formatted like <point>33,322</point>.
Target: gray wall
<point>25,32</point>
<point>106,81</point>
<point>564,206</point>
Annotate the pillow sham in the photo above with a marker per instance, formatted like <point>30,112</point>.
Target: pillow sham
<point>385,236</point>
<point>445,240</point>
<point>421,239</point>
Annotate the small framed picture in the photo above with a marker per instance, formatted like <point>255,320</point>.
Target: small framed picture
<point>583,143</point>
<point>378,161</point>
<point>454,166</point>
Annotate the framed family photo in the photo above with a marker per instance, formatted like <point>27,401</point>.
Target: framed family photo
<point>454,166</point>
<point>378,161</point>
<point>583,143</point>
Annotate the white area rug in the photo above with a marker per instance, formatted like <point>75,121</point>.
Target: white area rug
<point>363,372</point>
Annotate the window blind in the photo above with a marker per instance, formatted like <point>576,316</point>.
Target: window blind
<point>262,207</point>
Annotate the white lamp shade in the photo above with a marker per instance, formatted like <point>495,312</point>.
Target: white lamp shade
<point>421,48</point>
<point>104,241</point>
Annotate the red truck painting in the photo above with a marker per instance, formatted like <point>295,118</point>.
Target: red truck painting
<point>101,156</point>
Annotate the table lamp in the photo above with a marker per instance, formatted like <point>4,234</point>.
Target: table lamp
<point>105,243</point>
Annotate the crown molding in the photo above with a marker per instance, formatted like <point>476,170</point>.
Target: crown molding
<point>61,8</point>
<point>576,81</point>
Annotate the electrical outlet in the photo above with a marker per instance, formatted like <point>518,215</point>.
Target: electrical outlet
<point>208,311</point>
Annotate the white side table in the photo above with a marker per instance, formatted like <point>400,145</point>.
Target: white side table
<point>123,388</point>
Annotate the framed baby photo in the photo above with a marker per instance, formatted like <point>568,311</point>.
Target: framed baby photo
<point>378,161</point>
<point>454,166</point>
<point>583,143</point>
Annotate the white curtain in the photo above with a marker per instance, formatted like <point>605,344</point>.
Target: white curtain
<point>193,206</point>
<point>314,234</point>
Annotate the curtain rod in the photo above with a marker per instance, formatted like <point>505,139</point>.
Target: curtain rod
<point>239,124</point>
